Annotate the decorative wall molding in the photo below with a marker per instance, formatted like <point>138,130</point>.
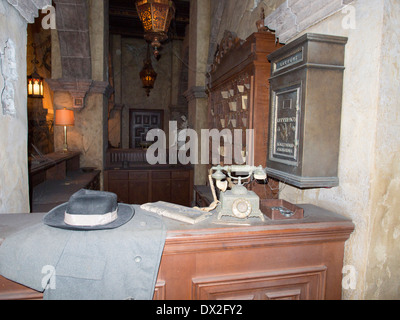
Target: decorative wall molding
<point>294,16</point>
<point>193,93</point>
<point>230,41</point>
<point>80,88</point>
<point>29,9</point>
<point>102,87</point>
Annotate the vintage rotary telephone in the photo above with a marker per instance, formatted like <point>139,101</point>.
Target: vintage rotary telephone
<point>238,202</point>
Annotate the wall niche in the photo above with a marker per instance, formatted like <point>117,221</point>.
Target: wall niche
<point>40,110</point>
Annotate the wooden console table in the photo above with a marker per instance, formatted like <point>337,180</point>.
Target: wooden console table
<point>55,179</point>
<point>142,184</point>
<point>267,260</point>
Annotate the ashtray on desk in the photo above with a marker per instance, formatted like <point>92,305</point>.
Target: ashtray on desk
<point>88,169</point>
<point>280,209</point>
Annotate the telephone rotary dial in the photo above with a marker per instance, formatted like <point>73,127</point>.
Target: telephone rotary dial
<point>241,208</point>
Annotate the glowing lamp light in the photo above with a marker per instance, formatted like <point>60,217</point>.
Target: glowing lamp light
<point>66,119</point>
<point>35,81</point>
<point>148,75</point>
<point>35,86</point>
<point>156,16</point>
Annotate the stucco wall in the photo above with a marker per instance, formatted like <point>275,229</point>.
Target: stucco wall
<point>129,91</point>
<point>369,149</point>
<point>14,190</point>
<point>134,96</point>
<point>383,264</point>
<point>369,169</point>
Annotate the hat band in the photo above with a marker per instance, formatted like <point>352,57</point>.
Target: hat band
<point>91,220</point>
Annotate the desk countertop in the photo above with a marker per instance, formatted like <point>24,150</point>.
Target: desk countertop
<point>314,218</point>
<point>231,259</point>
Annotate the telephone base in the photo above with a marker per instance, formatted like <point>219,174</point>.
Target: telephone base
<point>252,215</point>
<point>240,206</point>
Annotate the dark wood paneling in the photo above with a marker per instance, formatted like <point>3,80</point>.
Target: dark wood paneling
<point>148,184</point>
<point>120,188</point>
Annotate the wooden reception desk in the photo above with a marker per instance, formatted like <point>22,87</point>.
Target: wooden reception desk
<point>291,259</point>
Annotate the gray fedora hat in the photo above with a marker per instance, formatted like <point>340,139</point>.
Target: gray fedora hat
<point>90,210</point>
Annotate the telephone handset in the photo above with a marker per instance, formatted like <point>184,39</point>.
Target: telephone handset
<point>238,202</point>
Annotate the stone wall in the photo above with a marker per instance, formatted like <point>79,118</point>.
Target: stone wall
<point>28,9</point>
<point>369,171</point>
<point>14,188</point>
<point>383,264</point>
<point>295,16</point>
<point>79,70</point>
<point>239,17</point>
<point>74,37</point>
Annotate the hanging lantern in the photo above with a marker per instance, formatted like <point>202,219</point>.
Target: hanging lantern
<point>148,75</point>
<point>35,81</point>
<point>35,85</point>
<point>156,16</point>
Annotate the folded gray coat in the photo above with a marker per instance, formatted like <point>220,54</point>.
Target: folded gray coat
<point>111,264</point>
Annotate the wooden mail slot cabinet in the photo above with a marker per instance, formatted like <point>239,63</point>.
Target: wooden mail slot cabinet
<point>170,184</point>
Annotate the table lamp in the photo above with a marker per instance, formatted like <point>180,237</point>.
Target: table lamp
<point>65,118</point>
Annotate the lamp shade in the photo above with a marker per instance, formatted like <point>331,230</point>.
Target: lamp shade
<point>65,117</point>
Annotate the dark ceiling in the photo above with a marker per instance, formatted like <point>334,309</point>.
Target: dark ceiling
<point>124,19</point>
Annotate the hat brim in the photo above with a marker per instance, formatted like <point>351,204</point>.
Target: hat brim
<point>55,218</point>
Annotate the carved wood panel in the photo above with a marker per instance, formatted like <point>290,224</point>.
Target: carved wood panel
<point>294,284</point>
<point>229,109</point>
<point>159,291</point>
<point>239,101</point>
